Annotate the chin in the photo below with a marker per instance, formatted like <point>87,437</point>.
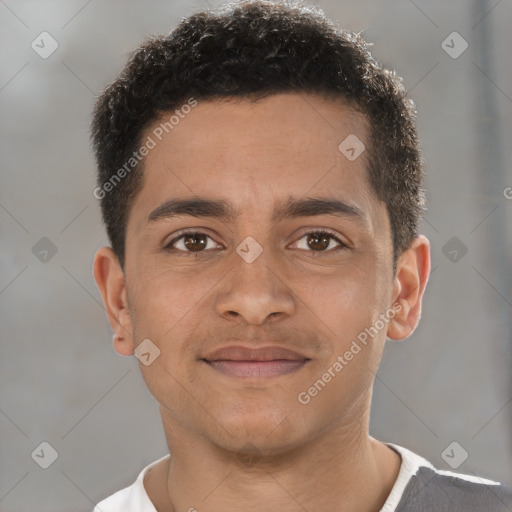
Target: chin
<point>261,433</point>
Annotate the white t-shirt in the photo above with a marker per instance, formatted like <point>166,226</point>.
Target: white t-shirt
<point>419,487</point>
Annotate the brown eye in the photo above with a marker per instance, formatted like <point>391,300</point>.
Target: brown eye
<point>191,242</point>
<point>320,241</point>
<point>195,242</point>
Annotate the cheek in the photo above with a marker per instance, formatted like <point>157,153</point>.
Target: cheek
<point>165,302</point>
<point>164,312</point>
<point>341,301</point>
<point>170,310</point>
<point>346,307</point>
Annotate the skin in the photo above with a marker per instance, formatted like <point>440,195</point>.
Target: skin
<point>250,444</point>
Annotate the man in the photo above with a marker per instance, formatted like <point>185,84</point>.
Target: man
<point>261,185</point>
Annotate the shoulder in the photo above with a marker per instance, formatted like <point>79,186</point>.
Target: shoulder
<point>116,502</point>
<point>130,499</point>
<point>429,488</point>
<point>445,490</point>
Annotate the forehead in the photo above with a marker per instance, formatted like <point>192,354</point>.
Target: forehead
<point>257,154</point>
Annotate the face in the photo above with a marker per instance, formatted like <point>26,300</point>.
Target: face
<point>271,296</point>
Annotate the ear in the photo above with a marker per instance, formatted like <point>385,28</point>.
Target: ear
<point>110,280</point>
<point>413,269</point>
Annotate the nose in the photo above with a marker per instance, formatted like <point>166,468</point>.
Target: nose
<point>256,292</point>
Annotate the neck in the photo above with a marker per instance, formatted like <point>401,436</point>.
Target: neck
<point>343,469</point>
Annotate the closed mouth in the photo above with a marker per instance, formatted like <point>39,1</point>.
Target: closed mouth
<point>240,361</point>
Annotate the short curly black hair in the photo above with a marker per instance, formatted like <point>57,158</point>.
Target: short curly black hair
<point>249,50</point>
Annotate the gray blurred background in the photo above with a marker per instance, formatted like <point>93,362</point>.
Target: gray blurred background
<point>61,381</point>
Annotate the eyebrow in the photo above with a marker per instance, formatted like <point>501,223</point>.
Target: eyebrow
<point>291,208</point>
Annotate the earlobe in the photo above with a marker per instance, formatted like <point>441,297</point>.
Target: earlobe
<point>411,278</point>
<point>110,280</point>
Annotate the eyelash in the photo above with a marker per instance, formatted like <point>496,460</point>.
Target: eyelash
<point>341,247</point>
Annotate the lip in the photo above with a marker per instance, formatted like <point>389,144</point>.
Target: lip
<point>263,362</point>
<point>242,353</point>
<point>257,369</point>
